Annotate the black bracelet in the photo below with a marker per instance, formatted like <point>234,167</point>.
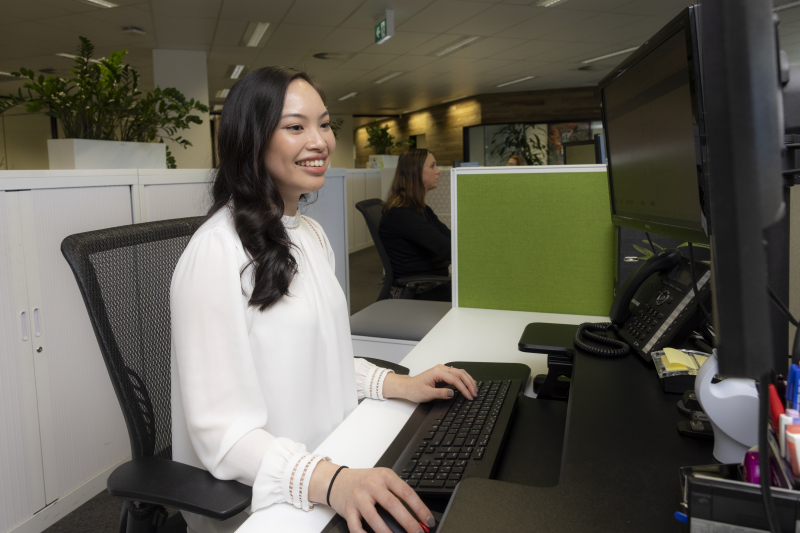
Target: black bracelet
<point>331,485</point>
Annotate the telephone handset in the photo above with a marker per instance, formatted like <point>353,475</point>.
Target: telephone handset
<point>654,308</point>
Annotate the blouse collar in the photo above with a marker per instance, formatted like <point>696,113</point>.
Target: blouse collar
<point>291,222</point>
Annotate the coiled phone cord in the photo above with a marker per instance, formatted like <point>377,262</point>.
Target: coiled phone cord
<point>586,329</point>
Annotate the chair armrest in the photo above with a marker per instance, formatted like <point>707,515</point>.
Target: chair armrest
<point>407,280</point>
<point>174,484</point>
<point>398,369</point>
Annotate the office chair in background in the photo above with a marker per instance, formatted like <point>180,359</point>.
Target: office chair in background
<point>372,210</point>
<point>124,276</point>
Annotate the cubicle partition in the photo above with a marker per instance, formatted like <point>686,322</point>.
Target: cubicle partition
<point>533,239</point>
<point>61,429</point>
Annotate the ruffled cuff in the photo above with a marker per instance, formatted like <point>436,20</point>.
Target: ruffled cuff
<point>369,379</point>
<point>285,475</point>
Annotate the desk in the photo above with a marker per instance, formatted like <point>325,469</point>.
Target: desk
<point>462,335</point>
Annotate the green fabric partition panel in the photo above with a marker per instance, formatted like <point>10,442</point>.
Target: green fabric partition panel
<point>540,241</point>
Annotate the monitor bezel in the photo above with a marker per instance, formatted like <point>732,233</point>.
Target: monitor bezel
<point>685,21</point>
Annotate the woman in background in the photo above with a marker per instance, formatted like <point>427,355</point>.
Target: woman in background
<point>415,239</point>
<point>516,161</point>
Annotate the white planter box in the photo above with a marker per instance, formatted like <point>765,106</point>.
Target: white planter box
<point>383,161</point>
<point>69,154</point>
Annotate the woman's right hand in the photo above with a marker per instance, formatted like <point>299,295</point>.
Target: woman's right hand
<point>355,493</point>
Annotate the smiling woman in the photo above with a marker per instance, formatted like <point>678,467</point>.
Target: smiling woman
<point>261,351</point>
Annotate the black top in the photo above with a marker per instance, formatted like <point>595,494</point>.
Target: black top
<point>417,243</point>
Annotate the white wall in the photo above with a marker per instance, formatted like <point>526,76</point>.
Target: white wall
<point>187,71</point>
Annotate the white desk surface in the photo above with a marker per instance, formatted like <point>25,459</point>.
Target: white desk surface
<point>462,335</point>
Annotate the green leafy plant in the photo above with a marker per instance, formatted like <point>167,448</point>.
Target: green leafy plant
<point>102,102</point>
<point>512,139</point>
<point>336,126</point>
<point>647,253</point>
<point>381,140</point>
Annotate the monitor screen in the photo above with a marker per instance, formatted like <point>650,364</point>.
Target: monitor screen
<point>653,139</point>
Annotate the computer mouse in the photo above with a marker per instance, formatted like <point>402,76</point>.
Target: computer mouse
<point>393,525</point>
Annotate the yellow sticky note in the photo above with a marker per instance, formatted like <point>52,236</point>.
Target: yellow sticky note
<point>676,360</point>
<point>700,359</point>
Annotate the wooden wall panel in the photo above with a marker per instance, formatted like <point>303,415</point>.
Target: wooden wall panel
<point>443,124</point>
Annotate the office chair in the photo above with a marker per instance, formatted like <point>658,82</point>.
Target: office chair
<point>124,276</point>
<point>372,210</point>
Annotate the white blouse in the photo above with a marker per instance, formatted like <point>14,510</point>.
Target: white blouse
<point>252,390</point>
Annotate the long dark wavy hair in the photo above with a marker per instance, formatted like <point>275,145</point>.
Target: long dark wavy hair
<point>407,187</point>
<point>250,116</point>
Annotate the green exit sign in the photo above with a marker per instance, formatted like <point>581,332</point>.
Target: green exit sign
<point>384,26</point>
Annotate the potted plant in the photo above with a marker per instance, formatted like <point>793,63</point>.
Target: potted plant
<point>383,143</point>
<point>102,104</point>
<point>513,139</point>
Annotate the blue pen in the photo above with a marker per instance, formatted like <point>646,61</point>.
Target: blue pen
<point>795,371</point>
<point>790,395</point>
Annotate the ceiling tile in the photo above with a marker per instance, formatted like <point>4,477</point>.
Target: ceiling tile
<point>346,40</point>
<point>284,58</point>
<point>638,33</point>
<point>186,8</point>
<point>271,11</point>
<point>597,5</point>
<point>601,23</point>
<point>293,35</point>
<point>321,13</point>
<point>185,31</point>
<point>33,9</point>
<point>407,63</point>
<point>531,50</point>
<point>497,18</point>
<point>124,16</point>
<point>368,61</point>
<point>442,15</point>
<point>99,33</point>
<point>234,55</point>
<point>552,20</point>
<point>654,7</point>
<point>229,32</point>
<point>8,20</point>
<point>487,47</point>
<point>402,43</point>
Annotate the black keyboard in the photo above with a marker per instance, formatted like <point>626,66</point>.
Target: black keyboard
<point>459,438</point>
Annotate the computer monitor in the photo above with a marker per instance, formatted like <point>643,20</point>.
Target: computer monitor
<point>652,119</point>
<point>694,137</point>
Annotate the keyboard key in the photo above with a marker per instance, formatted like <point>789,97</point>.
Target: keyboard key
<point>405,475</point>
<point>431,484</point>
<point>448,440</point>
<point>432,468</point>
<point>478,454</point>
<point>448,464</point>
<point>446,469</point>
<point>429,435</point>
<point>455,475</point>
<point>439,456</point>
<point>430,449</point>
<point>458,442</point>
<point>464,455</point>
<point>423,462</point>
<point>451,456</point>
<point>442,476</point>
<point>420,469</point>
<point>458,469</point>
<point>468,449</point>
<point>472,441</point>
<point>410,466</point>
<point>484,441</point>
<point>436,463</point>
<point>429,475</point>
<point>451,483</point>
<point>437,439</point>
<point>416,455</point>
<point>412,482</point>
<point>461,463</point>
<point>416,475</point>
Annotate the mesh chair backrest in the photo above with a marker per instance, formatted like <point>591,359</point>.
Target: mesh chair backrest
<point>372,210</point>
<point>124,275</point>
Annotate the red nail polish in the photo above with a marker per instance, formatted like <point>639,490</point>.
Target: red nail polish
<point>424,528</point>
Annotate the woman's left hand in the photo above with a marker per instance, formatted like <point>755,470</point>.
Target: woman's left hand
<point>422,387</point>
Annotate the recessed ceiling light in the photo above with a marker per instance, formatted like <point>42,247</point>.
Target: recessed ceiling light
<point>237,71</point>
<point>387,78</point>
<point>345,97</point>
<point>454,99</point>
<point>626,51</point>
<point>516,81</point>
<point>73,56</point>
<point>222,93</point>
<point>101,3</point>
<point>254,33</point>
<point>457,46</point>
<point>134,29</point>
<point>548,3</point>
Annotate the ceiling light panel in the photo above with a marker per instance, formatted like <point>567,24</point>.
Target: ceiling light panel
<point>345,97</point>
<point>456,46</point>
<point>387,77</point>
<point>254,34</point>
<point>222,93</point>
<point>613,54</point>
<point>99,3</point>
<point>237,71</point>
<point>134,30</point>
<point>548,3</point>
<point>526,78</point>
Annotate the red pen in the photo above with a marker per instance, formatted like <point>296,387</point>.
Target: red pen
<point>424,528</point>
<point>775,407</point>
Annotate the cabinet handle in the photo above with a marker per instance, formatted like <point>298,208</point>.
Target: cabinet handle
<point>24,317</point>
<point>37,323</point>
